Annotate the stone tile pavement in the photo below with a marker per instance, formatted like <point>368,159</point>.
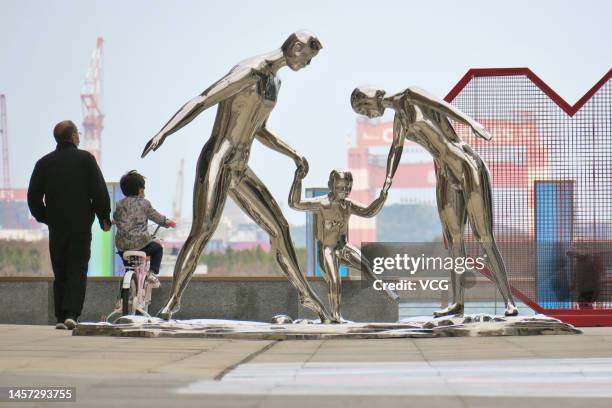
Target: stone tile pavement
<point>539,371</point>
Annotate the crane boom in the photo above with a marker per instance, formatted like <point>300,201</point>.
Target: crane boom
<point>91,103</point>
<point>6,175</point>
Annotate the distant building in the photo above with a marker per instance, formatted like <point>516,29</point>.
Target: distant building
<point>414,181</point>
<point>14,212</point>
<point>408,223</point>
<point>248,236</point>
<point>235,230</point>
<point>513,164</point>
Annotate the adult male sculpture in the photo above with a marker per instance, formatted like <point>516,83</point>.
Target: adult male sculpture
<point>246,96</point>
<point>463,182</point>
<point>66,190</point>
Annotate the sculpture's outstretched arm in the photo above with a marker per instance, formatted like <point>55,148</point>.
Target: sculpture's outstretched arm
<point>295,195</point>
<point>420,97</point>
<point>395,153</point>
<point>372,209</point>
<point>227,86</point>
<point>274,142</point>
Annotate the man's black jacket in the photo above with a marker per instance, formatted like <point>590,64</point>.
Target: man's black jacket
<point>73,189</point>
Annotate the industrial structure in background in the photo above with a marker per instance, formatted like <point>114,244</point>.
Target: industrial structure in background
<point>177,203</point>
<point>175,237</point>
<point>414,181</point>
<point>15,220</point>
<point>14,215</point>
<point>91,103</point>
<point>236,230</point>
<point>6,174</point>
<point>7,196</point>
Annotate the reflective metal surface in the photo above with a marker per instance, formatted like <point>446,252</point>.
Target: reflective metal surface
<point>281,319</point>
<point>245,98</point>
<point>417,327</point>
<point>332,213</point>
<point>463,181</point>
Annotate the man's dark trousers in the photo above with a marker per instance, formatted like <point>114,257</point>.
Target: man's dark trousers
<point>70,254</point>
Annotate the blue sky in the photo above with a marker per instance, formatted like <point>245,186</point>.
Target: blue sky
<point>159,54</point>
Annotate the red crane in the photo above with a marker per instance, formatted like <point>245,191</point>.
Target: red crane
<point>6,194</point>
<point>6,176</point>
<point>91,103</point>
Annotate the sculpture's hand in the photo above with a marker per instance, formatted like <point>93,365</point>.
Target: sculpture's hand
<point>153,144</point>
<point>387,185</point>
<point>302,165</point>
<point>480,131</point>
<point>106,225</point>
<point>299,173</point>
<point>383,194</point>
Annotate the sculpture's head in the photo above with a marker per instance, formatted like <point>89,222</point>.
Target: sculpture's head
<point>340,183</point>
<point>300,48</point>
<point>368,101</point>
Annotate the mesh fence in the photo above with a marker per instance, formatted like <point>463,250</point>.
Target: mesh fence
<point>552,187</point>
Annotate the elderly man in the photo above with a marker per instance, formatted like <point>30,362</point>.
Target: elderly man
<point>66,190</point>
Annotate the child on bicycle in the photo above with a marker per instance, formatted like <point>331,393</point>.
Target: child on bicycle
<point>131,217</point>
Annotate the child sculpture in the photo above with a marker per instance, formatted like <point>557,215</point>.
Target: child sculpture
<point>332,213</point>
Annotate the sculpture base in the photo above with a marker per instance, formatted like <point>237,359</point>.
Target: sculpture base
<point>451,326</point>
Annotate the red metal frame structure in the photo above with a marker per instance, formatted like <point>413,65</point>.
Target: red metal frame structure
<point>551,165</point>
<point>91,103</point>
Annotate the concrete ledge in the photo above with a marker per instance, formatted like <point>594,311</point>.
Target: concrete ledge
<point>25,302</point>
<point>30,300</point>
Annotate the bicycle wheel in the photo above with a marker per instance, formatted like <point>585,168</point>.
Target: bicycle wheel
<point>128,296</point>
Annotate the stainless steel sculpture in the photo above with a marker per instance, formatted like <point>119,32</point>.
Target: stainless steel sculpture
<point>332,213</point>
<point>246,96</point>
<point>463,181</point>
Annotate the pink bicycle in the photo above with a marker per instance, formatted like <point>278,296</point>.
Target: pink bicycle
<point>136,285</point>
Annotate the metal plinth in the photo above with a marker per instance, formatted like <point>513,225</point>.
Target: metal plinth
<point>423,327</point>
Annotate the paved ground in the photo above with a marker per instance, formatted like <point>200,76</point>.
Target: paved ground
<point>543,371</point>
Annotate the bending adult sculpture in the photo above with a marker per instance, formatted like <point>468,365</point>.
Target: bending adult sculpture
<point>463,182</point>
<point>246,96</point>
